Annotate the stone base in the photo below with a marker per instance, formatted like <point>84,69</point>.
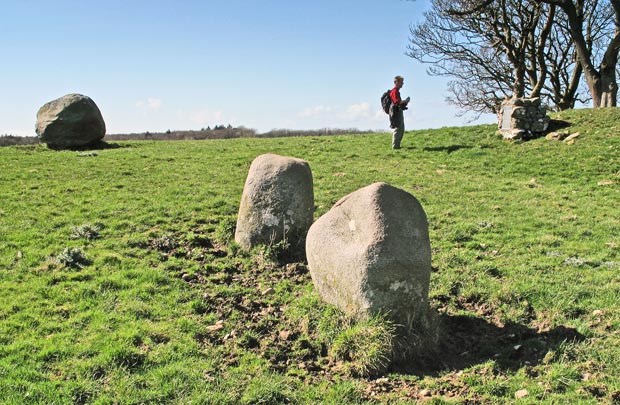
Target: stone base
<point>522,118</point>
<point>513,134</point>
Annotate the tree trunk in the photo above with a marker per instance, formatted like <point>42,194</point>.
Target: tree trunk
<point>608,84</point>
<point>518,89</point>
<point>608,89</point>
<point>601,82</point>
<point>568,100</point>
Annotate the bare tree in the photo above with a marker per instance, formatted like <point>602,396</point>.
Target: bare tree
<point>564,86</point>
<point>453,49</point>
<point>495,49</point>
<point>585,19</point>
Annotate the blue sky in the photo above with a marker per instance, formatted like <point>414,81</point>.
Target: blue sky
<point>157,65</point>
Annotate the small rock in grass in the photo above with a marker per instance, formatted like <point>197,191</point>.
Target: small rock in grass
<point>556,136</point>
<point>268,291</point>
<point>521,393</point>
<point>425,393</point>
<point>219,325</point>
<point>597,312</point>
<point>572,137</point>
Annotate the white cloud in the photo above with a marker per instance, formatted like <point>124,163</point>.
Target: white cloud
<point>316,111</point>
<point>150,104</point>
<point>361,109</point>
<point>204,117</point>
<point>337,115</point>
<point>153,103</point>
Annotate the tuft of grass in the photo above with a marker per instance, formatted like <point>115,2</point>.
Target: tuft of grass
<point>86,231</point>
<point>271,255</point>
<point>225,231</point>
<point>366,347</point>
<point>269,389</point>
<point>72,258</point>
<point>165,243</point>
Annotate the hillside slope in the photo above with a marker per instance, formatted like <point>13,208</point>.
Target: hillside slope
<point>164,308</point>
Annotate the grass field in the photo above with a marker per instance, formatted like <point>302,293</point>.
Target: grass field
<point>119,281</point>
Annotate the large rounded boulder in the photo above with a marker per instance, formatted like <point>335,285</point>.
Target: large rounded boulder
<point>371,254</point>
<point>70,121</point>
<point>277,203</point>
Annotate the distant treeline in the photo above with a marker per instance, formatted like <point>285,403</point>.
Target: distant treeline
<point>277,133</point>
<point>221,132</point>
<point>218,132</point>
<point>8,140</point>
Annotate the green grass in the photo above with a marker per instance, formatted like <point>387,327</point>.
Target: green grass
<point>162,307</point>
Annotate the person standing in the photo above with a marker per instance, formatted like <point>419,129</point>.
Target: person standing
<point>397,119</point>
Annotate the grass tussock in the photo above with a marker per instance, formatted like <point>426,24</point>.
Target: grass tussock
<point>365,347</point>
<point>72,258</point>
<point>87,231</point>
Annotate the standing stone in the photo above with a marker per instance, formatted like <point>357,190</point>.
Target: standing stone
<point>277,202</point>
<point>371,254</point>
<point>71,121</point>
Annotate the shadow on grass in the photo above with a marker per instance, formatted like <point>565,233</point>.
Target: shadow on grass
<point>465,341</point>
<point>101,145</point>
<point>556,125</point>
<point>449,148</point>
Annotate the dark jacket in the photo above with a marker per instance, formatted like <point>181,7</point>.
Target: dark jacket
<point>394,115</point>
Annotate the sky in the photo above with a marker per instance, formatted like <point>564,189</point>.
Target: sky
<point>188,64</point>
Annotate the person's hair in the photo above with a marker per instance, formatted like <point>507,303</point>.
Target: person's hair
<point>398,79</point>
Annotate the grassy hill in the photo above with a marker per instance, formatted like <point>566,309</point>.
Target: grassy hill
<point>120,283</point>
